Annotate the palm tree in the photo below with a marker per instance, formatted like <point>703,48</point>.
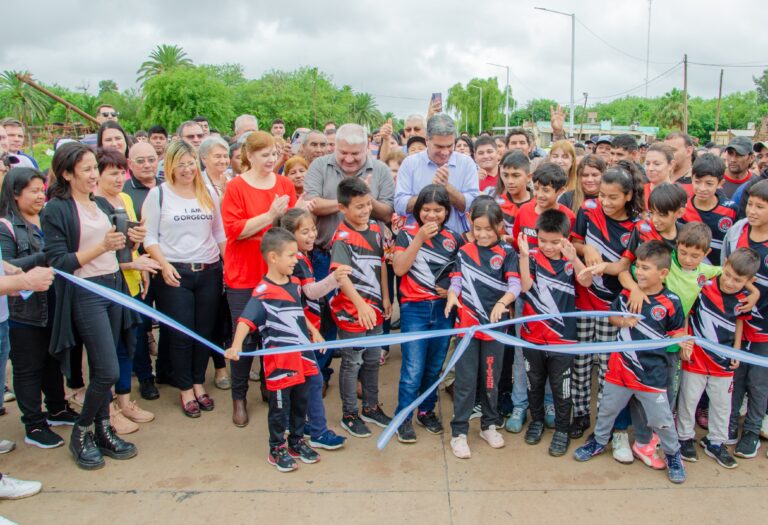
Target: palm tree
<point>364,110</point>
<point>163,58</point>
<point>670,110</point>
<point>23,101</point>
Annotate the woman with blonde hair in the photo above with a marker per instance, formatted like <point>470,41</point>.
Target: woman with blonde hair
<point>563,154</point>
<point>185,235</point>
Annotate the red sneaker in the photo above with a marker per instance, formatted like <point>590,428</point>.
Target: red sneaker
<point>647,454</point>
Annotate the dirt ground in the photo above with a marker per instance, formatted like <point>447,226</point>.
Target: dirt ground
<point>208,471</point>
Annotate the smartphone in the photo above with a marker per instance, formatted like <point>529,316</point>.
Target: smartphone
<point>133,224</point>
<point>437,97</point>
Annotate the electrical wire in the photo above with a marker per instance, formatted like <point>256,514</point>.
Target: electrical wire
<point>668,71</point>
<point>617,49</point>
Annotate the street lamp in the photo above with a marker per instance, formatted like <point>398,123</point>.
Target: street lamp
<point>573,55</point>
<point>481,107</point>
<point>506,99</point>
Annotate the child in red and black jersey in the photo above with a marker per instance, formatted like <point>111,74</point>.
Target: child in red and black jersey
<point>603,229</point>
<point>484,283</point>
<point>548,275</point>
<point>666,207</point>
<point>549,181</point>
<point>361,306</point>
<point>715,317</point>
<point>302,224</point>
<point>643,374</point>
<point>752,232</point>
<point>275,310</point>
<point>512,187</point>
<point>707,205</point>
<point>425,253</point>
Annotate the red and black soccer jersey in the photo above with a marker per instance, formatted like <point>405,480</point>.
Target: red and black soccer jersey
<point>756,328</point>
<point>646,370</point>
<point>713,318</point>
<point>645,231</point>
<point>364,252</point>
<point>553,292</point>
<point>686,183</point>
<point>525,222</point>
<point>609,237</point>
<point>432,266</point>
<point>275,310</point>
<point>306,275</point>
<point>509,210</point>
<point>485,273</point>
<point>718,219</point>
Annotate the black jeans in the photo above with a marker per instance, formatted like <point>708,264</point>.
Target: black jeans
<point>35,370</point>
<point>240,369</point>
<point>481,362</point>
<point>98,321</point>
<point>541,366</point>
<point>287,407</point>
<point>193,305</point>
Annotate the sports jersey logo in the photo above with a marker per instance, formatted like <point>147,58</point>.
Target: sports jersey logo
<point>625,239</point>
<point>449,245</point>
<point>499,201</point>
<point>530,232</point>
<point>591,204</point>
<point>645,227</point>
<point>701,280</point>
<point>260,288</point>
<point>765,261</point>
<point>497,261</point>
<point>343,234</point>
<point>378,239</point>
<point>569,268</point>
<point>724,223</point>
<point>658,312</point>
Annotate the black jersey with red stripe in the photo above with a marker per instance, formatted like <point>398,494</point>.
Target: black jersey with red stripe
<point>646,370</point>
<point>713,318</point>
<point>432,266</point>
<point>609,237</point>
<point>306,275</point>
<point>525,222</point>
<point>645,231</point>
<point>509,210</point>
<point>719,219</point>
<point>553,292</point>
<point>485,272</point>
<point>756,328</point>
<point>363,251</point>
<point>275,310</point>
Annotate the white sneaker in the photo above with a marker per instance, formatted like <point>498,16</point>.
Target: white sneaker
<point>6,446</point>
<point>492,437</point>
<point>12,488</point>
<point>460,447</point>
<point>621,450</point>
<point>764,428</point>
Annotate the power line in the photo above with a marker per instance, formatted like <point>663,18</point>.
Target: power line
<point>617,49</point>
<point>668,71</point>
<point>741,64</point>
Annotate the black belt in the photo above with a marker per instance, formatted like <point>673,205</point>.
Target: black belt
<point>195,267</point>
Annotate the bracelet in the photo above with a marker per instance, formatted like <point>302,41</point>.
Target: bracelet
<point>501,303</point>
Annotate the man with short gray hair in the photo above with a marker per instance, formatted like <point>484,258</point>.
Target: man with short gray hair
<point>439,164</point>
<point>244,124</point>
<point>312,145</point>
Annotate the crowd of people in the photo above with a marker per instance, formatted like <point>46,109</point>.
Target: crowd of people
<point>257,241</point>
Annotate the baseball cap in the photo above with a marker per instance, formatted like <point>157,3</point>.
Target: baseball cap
<point>604,139</point>
<point>759,146</point>
<point>741,145</point>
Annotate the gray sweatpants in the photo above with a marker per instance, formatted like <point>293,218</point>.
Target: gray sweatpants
<point>655,405</point>
<point>751,380</point>
<point>362,362</point>
<point>719,393</point>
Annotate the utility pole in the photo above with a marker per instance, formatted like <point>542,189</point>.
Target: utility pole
<point>583,116</point>
<point>719,99</point>
<point>685,93</point>
<point>648,48</point>
<point>480,119</point>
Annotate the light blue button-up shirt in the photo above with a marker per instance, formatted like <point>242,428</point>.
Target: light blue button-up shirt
<point>417,171</point>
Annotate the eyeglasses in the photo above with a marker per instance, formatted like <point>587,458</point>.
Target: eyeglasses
<point>106,114</point>
<point>412,129</point>
<point>194,136</point>
<point>141,160</point>
<point>187,166</point>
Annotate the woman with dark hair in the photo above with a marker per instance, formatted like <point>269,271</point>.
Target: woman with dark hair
<point>34,369</point>
<point>465,145</point>
<point>424,255</point>
<point>80,239</point>
<point>112,136</point>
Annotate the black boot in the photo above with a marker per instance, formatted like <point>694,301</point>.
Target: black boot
<point>84,450</point>
<point>110,444</point>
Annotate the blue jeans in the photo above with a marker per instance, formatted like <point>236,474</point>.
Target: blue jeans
<point>316,421</point>
<point>5,351</point>
<point>423,359</point>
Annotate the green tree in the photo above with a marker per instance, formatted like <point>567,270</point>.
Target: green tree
<point>669,113</point>
<point>21,100</point>
<point>107,86</point>
<point>162,59</point>
<point>364,110</point>
<point>761,86</point>
<point>464,101</point>
<point>230,74</point>
<point>177,95</point>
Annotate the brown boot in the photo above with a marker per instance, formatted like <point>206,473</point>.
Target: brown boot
<point>239,412</point>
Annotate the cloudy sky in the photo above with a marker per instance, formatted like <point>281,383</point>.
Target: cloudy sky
<point>401,50</point>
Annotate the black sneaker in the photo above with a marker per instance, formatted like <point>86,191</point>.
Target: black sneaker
<point>688,450</point>
<point>281,459</point>
<point>405,433</point>
<point>43,437</point>
<point>534,432</point>
<point>719,453</point>
<point>355,426</point>
<point>733,436</point>
<point>430,421</point>
<point>300,450</point>
<point>578,426</point>
<point>148,390</point>
<point>559,445</point>
<point>67,416</point>
<point>748,445</point>
<point>376,416</point>
<point>505,404</point>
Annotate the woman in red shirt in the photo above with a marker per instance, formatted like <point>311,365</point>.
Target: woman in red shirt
<point>251,204</point>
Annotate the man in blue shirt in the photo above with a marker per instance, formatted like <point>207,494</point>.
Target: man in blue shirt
<point>439,164</point>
